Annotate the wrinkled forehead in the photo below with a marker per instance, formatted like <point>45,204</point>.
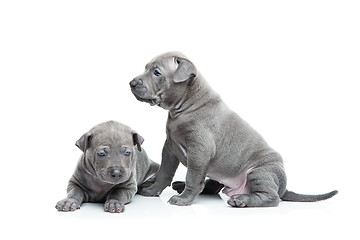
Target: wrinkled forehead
<point>166,64</point>
<point>166,61</point>
<point>114,138</point>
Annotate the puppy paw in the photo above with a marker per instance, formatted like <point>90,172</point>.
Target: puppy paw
<point>239,200</point>
<point>180,200</point>
<point>149,191</point>
<point>114,206</point>
<point>67,205</point>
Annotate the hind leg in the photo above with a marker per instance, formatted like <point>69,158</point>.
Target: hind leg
<point>264,184</point>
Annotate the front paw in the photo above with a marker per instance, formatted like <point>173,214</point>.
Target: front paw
<point>67,204</point>
<point>180,200</point>
<point>151,191</point>
<point>114,206</point>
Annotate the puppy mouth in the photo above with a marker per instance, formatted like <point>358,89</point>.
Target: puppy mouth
<point>152,101</point>
<point>107,179</point>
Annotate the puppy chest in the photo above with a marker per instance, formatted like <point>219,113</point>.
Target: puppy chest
<point>177,136</point>
<point>94,189</point>
<point>179,150</point>
<point>97,192</point>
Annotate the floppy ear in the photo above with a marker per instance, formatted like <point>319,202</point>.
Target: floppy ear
<point>185,70</point>
<point>84,142</point>
<point>137,140</point>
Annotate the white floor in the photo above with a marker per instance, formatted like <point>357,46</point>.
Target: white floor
<point>210,216</point>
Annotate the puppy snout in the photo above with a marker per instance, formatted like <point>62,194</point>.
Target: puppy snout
<point>115,173</point>
<point>136,82</point>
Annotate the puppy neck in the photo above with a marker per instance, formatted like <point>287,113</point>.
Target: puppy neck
<point>198,94</point>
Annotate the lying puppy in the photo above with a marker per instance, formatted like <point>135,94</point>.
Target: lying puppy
<point>211,140</point>
<point>111,169</point>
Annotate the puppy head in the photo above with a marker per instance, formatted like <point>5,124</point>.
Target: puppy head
<point>109,151</point>
<point>165,80</point>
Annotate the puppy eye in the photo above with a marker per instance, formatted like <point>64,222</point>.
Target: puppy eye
<point>101,154</point>
<point>157,73</point>
<point>127,153</point>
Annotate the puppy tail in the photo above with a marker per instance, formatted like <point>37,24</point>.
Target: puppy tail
<point>295,197</point>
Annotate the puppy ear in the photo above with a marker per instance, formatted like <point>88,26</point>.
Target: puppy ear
<point>137,140</point>
<point>185,70</point>
<point>84,142</point>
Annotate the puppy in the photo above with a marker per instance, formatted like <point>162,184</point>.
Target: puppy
<point>211,140</point>
<point>111,169</point>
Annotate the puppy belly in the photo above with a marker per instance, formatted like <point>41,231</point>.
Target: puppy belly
<point>237,185</point>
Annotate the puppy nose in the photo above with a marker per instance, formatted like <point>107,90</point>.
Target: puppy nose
<point>136,82</point>
<point>115,173</point>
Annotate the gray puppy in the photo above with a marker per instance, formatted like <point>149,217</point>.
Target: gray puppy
<point>111,169</point>
<point>210,140</point>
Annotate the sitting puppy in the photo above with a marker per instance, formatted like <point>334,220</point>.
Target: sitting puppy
<point>111,169</point>
<point>211,140</point>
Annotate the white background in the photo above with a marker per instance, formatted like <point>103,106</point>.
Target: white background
<point>289,68</point>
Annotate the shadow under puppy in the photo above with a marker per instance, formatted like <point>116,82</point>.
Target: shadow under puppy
<point>211,140</point>
<point>111,168</point>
